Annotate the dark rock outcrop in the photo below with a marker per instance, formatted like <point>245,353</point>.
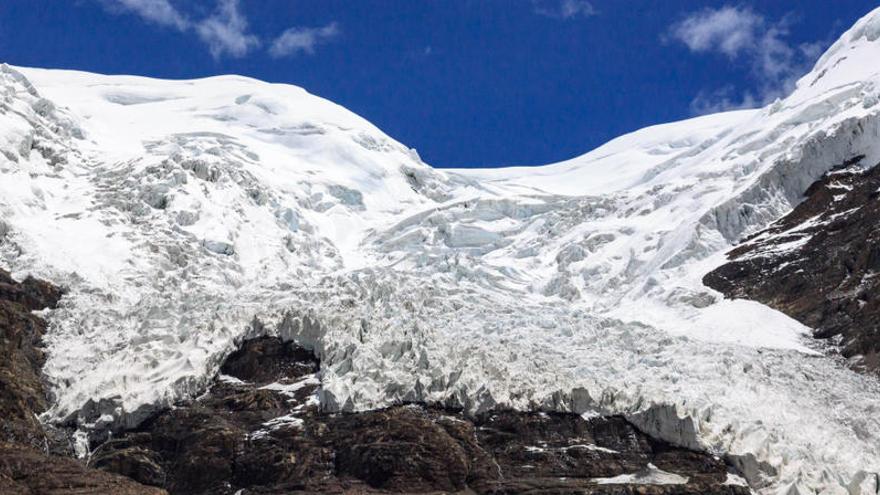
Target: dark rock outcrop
<point>25,470</point>
<point>25,465</point>
<point>21,389</point>
<point>259,429</point>
<point>820,264</point>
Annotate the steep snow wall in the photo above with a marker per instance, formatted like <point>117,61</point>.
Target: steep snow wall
<point>775,192</point>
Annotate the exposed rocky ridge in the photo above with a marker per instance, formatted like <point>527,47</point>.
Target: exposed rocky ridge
<point>26,467</point>
<point>259,429</point>
<point>21,390</point>
<point>819,264</point>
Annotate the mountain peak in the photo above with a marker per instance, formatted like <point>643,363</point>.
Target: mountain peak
<point>852,59</point>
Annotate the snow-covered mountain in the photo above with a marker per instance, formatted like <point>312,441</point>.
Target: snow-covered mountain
<point>183,216</point>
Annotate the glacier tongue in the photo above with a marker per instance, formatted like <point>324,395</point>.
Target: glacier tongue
<point>183,216</point>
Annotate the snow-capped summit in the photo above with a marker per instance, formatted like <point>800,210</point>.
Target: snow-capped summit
<point>183,216</point>
<point>850,62</point>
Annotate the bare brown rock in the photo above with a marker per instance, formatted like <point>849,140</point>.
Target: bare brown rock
<point>25,466</point>
<point>820,263</point>
<point>32,472</point>
<point>399,449</point>
<point>21,389</point>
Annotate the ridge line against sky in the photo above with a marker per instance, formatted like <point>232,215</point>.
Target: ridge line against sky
<point>710,56</point>
<point>734,31</point>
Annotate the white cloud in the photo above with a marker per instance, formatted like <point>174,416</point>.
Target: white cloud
<point>741,34</point>
<point>564,9</point>
<point>302,40</point>
<point>157,11</point>
<point>722,100</point>
<point>225,32</point>
<point>729,30</point>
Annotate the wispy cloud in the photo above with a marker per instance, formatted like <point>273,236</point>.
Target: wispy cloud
<point>723,99</point>
<point>298,40</point>
<point>225,32</point>
<point>160,12</point>
<point>729,30</point>
<point>564,9</point>
<point>741,34</point>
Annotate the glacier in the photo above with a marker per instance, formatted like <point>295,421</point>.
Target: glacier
<point>185,216</point>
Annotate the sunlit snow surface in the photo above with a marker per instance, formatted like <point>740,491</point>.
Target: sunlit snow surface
<point>184,215</point>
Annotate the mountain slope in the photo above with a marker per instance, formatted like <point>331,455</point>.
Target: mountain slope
<point>818,264</point>
<point>183,216</point>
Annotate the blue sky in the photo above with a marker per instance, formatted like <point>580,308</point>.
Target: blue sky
<point>466,82</point>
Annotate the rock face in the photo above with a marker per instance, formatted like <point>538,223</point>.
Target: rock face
<point>24,470</point>
<point>259,429</point>
<point>25,467</point>
<point>21,390</point>
<point>820,263</point>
